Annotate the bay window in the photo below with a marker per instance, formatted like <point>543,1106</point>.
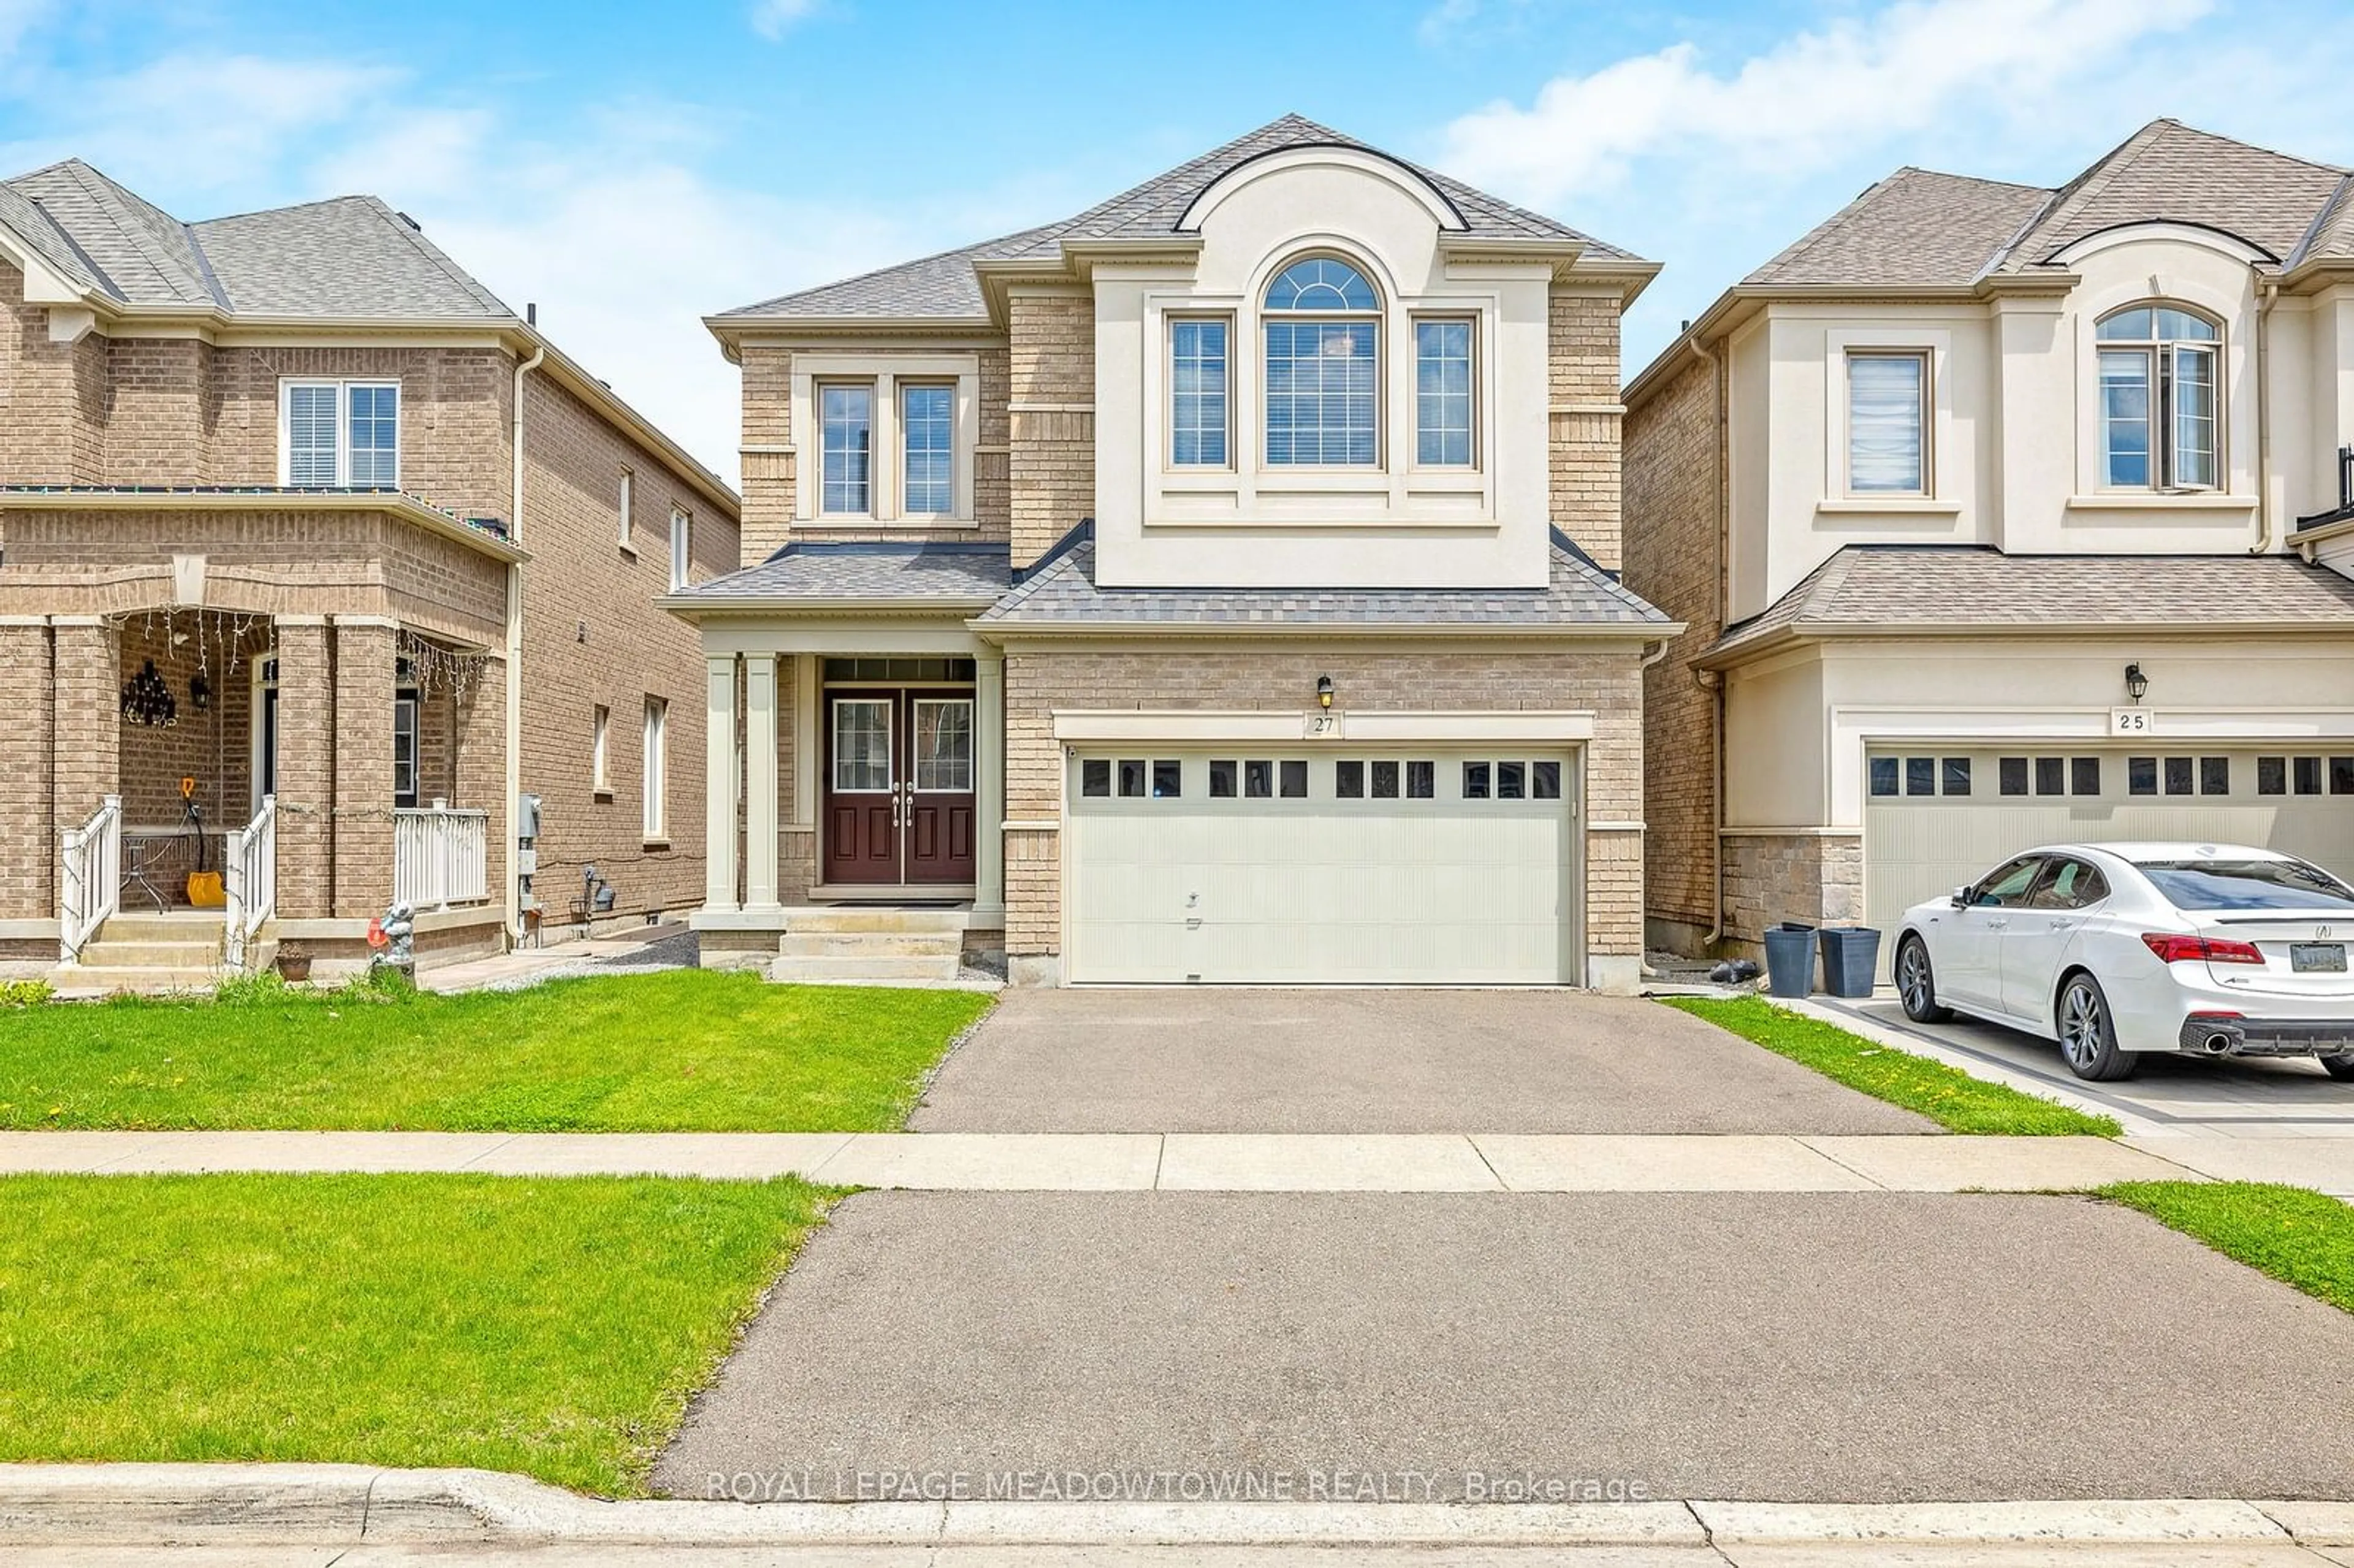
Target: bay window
<point>2159,377</point>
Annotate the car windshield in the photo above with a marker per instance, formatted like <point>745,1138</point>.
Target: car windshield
<point>2247,884</point>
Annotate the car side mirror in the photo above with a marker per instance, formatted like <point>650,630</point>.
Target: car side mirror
<point>1961,898</point>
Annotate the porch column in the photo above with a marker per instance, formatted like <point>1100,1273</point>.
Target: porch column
<point>989,757</point>
<point>29,832</point>
<point>761,780</point>
<point>89,732</point>
<point>306,768</point>
<point>363,745</point>
<point>481,773</point>
<point>719,771</point>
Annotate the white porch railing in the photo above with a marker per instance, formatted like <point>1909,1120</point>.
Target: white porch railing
<point>250,878</point>
<point>93,877</point>
<point>439,856</point>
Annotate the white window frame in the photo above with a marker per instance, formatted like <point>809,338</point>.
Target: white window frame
<point>626,499</point>
<point>1925,413</point>
<point>600,750</point>
<point>1171,324</point>
<point>2163,362</point>
<point>901,386</point>
<point>1470,321</point>
<point>343,388</point>
<point>917,762</point>
<point>890,708</point>
<point>655,816</point>
<point>1378,318</point>
<point>1939,447</point>
<point>681,545</point>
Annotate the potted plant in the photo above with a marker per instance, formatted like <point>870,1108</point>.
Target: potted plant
<point>293,962</point>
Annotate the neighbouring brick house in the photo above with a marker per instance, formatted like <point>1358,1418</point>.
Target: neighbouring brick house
<point>2001,515</point>
<point>294,509</point>
<point>1220,585</point>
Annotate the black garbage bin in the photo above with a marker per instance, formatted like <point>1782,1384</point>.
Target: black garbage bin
<point>1790,958</point>
<point>1850,954</point>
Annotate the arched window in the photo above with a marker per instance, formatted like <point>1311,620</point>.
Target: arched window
<point>1323,365</point>
<point>2159,379</point>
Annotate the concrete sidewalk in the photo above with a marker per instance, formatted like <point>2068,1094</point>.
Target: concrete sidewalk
<point>1230,1162</point>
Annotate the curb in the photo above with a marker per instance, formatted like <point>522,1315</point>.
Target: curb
<point>119,1505</point>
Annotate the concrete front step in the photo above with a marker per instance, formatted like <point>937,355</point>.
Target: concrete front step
<point>73,978</point>
<point>871,944</point>
<point>191,925</point>
<point>110,954</point>
<point>852,968</point>
<point>851,918</point>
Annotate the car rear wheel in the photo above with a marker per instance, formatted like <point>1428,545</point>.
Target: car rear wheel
<point>2340,1067</point>
<point>2088,1040</point>
<point>1916,983</point>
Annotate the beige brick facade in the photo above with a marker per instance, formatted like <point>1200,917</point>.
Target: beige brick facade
<point>1675,558</point>
<point>1052,396</point>
<point>1282,676</point>
<point>1581,421</point>
<point>92,587</point>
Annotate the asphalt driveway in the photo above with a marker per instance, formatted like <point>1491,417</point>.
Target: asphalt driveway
<point>1872,1347</point>
<point>1375,1061</point>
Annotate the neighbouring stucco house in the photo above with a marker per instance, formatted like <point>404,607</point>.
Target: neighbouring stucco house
<point>1219,585</point>
<point>294,510</point>
<point>2000,516</point>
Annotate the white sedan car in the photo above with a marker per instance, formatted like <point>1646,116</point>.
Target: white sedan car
<point>2116,950</point>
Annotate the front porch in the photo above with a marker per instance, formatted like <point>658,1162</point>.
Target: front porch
<point>857,788</point>
<point>264,782</point>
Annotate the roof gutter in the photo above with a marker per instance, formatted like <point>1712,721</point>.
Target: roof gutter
<point>1643,632</point>
<point>1725,655</point>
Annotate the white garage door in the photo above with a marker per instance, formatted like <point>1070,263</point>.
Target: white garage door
<point>1936,817</point>
<point>1255,867</point>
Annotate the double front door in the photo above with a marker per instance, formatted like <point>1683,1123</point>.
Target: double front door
<point>899,786</point>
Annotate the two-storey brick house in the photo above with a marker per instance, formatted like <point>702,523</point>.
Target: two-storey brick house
<point>1219,585</point>
<point>296,513</point>
<point>2000,515</point>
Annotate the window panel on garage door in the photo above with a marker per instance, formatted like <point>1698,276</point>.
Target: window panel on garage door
<point>1918,844</point>
<point>1283,865</point>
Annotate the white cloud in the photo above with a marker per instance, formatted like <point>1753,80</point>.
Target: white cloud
<point>1812,100</point>
<point>773,18</point>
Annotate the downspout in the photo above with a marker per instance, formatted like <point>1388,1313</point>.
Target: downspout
<point>2264,419</point>
<point>514,655</point>
<point>1712,681</point>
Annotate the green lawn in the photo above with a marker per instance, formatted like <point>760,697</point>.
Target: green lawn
<point>1944,1094</point>
<point>673,1051</point>
<point>2299,1238</point>
<point>554,1327</point>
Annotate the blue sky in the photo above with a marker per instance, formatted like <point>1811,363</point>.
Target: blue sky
<point>632,169</point>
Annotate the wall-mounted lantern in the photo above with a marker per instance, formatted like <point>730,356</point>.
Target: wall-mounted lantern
<point>1323,690</point>
<point>2137,683</point>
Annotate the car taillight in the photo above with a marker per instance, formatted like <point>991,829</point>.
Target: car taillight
<point>2200,949</point>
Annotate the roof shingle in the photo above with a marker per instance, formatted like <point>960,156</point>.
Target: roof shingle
<point>1065,592</point>
<point>945,285</point>
<point>823,574</point>
<point>1964,586</point>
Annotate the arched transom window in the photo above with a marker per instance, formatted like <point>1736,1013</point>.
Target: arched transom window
<point>2159,377</point>
<point>1322,322</point>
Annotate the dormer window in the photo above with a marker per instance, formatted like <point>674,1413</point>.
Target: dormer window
<point>1322,324</point>
<point>339,435</point>
<point>2157,370</point>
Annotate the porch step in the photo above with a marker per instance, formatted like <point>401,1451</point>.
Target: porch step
<point>858,968</point>
<point>180,925</point>
<point>871,944</point>
<point>849,918</point>
<point>106,953</point>
<point>73,978</point>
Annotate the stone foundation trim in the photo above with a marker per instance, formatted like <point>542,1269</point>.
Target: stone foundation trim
<point>429,922</point>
